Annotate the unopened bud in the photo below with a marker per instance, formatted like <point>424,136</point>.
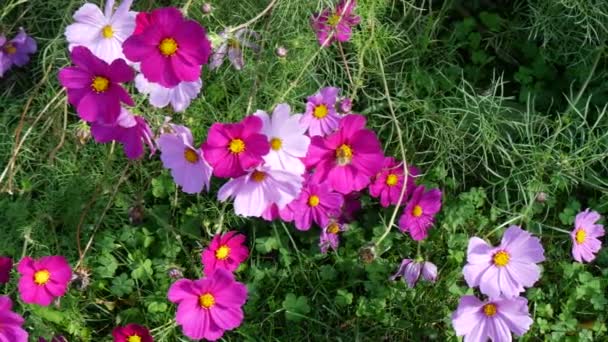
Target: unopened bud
<point>207,8</point>
<point>541,197</point>
<point>175,273</point>
<point>367,253</point>
<point>346,105</point>
<point>136,215</point>
<point>281,52</point>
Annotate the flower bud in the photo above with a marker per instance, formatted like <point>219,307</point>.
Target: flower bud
<point>207,8</point>
<point>281,52</point>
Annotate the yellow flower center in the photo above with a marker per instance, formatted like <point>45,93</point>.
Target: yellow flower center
<point>233,43</point>
<point>10,48</point>
<point>333,228</point>
<point>417,211</point>
<point>134,338</point>
<point>168,47</point>
<point>392,179</point>
<point>333,20</point>
<point>501,258</point>
<point>42,277</point>
<point>313,200</point>
<point>223,252</point>
<point>207,300</point>
<point>107,32</point>
<point>276,143</point>
<point>344,154</point>
<point>580,236</point>
<point>258,176</point>
<point>489,310</point>
<point>191,155</point>
<point>236,146</point>
<point>100,84</point>
<point>320,111</point>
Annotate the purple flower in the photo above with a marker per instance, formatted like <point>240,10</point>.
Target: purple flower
<point>16,51</point>
<point>188,167</point>
<point>6,265</point>
<point>330,236</point>
<point>585,236</point>
<point>230,45</point>
<point>179,96</point>
<point>345,105</point>
<point>419,213</point>
<point>411,270</point>
<point>496,319</point>
<point>10,323</point>
<point>506,269</point>
<point>320,117</point>
<point>318,203</point>
<point>335,25</point>
<point>132,131</point>
<point>93,86</point>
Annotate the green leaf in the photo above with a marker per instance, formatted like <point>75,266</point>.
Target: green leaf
<point>295,307</point>
<point>142,269</point>
<point>344,298</point>
<point>122,285</point>
<point>107,266</point>
<point>492,21</point>
<point>266,245</point>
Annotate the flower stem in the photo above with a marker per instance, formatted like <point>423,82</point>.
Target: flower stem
<point>256,18</point>
<point>345,63</point>
<point>504,224</point>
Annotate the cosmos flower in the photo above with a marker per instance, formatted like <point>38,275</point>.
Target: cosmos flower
<point>102,33</point>
<point>347,158</point>
<point>179,96</point>
<point>419,213</point>
<point>226,251</point>
<point>188,167</point>
<point>316,202</point>
<point>16,51</point>
<point>504,270</point>
<point>207,307</point>
<point>170,48</point>
<point>6,265</point>
<point>345,106</point>
<point>231,44</point>
<point>262,186</point>
<point>132,131</point>
<point>11,323</point>
<point>43,280</point>
<point>585,236</point>
<point>320,117</point>
<point>93,86</point>
<point>388,182</point>
<point>132,333</point>
<point>495,319</point>
<point>330,237</point>
<point>411,270</point>
<point>337,24</point>
<point>233,149</point>
<point>288,143</point>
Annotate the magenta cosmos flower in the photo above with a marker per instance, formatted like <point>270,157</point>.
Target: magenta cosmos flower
<point>320,117</point>
<point>43,280</point>
<point>233,149</point>
<point>347,158</point>
<point>335,25</point>
<point>170,48</point>
<point>496,319</point>
<point>16,51</point>
<point>102,33</point>
<point>225,251</point>
<point>257,189</point>
<point>132,333</point>
<point>318,203</point>
<point>6,265</point>
<point>506,269</point>
<point>419,213</point>
<point>207,307</point>
<point>585,236</point>
<point>93,86</point>
<point>330,236</point>
<point>11,323</point>
<point>132,131</point>
<point>388,182</point>
<point>411,270</point>
<point>188,167</point>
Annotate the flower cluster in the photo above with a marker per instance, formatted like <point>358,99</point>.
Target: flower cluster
<point>15,52</point>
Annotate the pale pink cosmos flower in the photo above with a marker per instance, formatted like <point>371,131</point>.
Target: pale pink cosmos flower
<point>585,236</point>
<point>103,33</point>
<point>506,269</point>
<point>320,117</point>
<point>179,97</point>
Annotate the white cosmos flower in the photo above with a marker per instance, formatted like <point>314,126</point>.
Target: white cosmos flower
<point>179,96</point>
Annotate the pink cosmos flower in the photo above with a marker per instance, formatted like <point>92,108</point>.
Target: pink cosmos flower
<point>43,280</point>
<point>288,143</point>
<point>16,51</point>
<point>388,182</point>
<point>335,25</point>
<point>262,186</point>
<point>188,167</point>
<point>179,96</point>
<point>345,106</point>
<point>6,265</point>
<point>132,333</point>
<point>102,33</point>
<point>225,251</point>
<point>232,149</point>
<point>506,269</point>
<point>585,236</point>
<point>330,237</point>
<point>11,323</point>
<point>93,86</point>
<point>320,117</point>
<point>316,202</point>
<point>207,307</point>
<point>411,270</point>
<point>495,319</point>
<point>347,158</point>
<point>170,48</point>
<point>132,131</point>
<point>419,213</point>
